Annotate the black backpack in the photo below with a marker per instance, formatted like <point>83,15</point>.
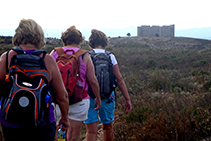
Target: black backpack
<point>26,98</point>
<point>104,73</point>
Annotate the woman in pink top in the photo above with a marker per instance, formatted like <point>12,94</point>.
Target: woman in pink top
<point>72,38</point>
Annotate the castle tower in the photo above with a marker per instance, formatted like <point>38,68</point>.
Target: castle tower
<point>155,31</point>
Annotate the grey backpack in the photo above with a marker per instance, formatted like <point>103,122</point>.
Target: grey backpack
<point>104,73</point>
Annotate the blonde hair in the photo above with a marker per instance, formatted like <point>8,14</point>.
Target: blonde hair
<point>98,38</point>
<point>28,31</point>
<point>72,36</point>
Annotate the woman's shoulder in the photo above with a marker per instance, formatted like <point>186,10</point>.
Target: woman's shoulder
<point>49,62</point>
<point>86,58</point>
<point>48,57</point>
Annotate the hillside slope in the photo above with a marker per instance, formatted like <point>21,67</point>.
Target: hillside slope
<point>169,83</point>
<point>157,42</point>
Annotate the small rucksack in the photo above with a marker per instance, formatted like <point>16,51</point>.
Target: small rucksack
<point>104,73</point>
<point>27,82</point>
<point>69,66</point>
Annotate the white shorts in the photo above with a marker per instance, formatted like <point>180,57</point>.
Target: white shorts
<point>77,111</point>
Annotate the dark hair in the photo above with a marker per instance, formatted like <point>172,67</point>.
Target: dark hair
<point>72,36</point>
<point>98,38</point>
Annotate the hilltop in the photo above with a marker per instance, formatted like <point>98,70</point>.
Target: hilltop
<point>158,42</point>
<point>201,33</point>
<point>154,42</point>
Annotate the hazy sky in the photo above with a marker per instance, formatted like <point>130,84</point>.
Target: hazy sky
<point>106,14</point>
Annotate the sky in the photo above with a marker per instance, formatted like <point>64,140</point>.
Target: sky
<point>106,14</point>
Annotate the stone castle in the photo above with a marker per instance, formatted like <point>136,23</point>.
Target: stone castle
<point>155,31</point>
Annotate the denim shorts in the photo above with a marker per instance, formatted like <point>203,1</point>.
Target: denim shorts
<point>106,111</point>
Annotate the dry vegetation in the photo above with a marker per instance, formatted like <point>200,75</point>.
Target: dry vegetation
<point>169,82</point>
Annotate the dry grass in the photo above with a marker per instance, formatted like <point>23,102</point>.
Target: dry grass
<point>170,92</point>
<point>169,88</point>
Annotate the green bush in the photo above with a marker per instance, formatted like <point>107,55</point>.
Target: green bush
<point>138,115</point>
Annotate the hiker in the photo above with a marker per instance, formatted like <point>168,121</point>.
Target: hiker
<point>72,39</point>
<point>29,36</point>
<point>98,42</point>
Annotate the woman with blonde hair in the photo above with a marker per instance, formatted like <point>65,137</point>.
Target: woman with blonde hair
<point>98,42</point>
<point>30,37</point>
<point>72,39</point>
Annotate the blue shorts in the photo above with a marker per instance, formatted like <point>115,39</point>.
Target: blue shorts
<point>106,111</point>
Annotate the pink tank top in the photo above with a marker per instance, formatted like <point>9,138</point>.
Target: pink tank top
<point>83,68</point>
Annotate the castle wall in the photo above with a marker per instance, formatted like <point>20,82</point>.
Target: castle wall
<point>156,31</point>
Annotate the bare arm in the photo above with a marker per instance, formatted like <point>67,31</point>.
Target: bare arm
<point>123,88</point>
<point>58,89</point>
<point>2,67</point>
<point>3,63</point>
<point>92,79</point>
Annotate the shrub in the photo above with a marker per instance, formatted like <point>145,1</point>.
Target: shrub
<point>138,114</point>
<point>201,63</point>
<point>169,89</point>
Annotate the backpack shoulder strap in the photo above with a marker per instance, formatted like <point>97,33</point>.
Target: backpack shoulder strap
<point>83,56</point>
<point>92,55</point>
<point>107,52</point>
<point>18,49</point>
<point>37,52</point>
<point>80,52</point>
<point>59,51</point>
<point>91,51</point>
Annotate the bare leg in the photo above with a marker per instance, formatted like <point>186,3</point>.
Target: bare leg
<point>91,131</point>
<point>108,132</point>
<point>73,132</point>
